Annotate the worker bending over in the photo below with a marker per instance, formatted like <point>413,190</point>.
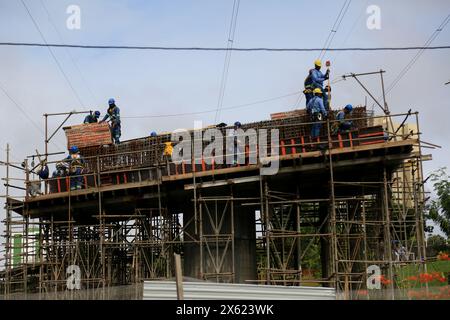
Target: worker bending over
<point>343,124</point>
<point>317,112</point>
<point>113,113</point>
<point>92,118</point>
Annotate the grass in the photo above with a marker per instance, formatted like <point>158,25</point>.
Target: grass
<point>404,272</point>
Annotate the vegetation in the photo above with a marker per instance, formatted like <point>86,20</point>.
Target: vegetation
<point>439,209</point>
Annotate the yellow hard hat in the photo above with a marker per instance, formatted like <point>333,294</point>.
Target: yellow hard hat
<point>318,63</point>
<point>317,90</point>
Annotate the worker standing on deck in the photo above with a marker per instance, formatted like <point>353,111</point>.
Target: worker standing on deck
<point>167,152</point>
<point>234,147</point>
<point>113,113</point>
<point>308,91</point>
<point>92,117</point>
<point>76,165</point>
<point>317,112</point>
<point>343,124</point>
<point>317,79</point>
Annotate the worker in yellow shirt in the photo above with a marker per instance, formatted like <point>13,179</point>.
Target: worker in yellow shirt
<point>168,150</point>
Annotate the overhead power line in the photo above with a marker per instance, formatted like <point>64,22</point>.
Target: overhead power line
<point>422,49</point>
<point>329,39</point>
<point>75,64</point>
<point>111,47</point>
<point>427,44</point>
<point>212,110</point>
<point>52,54</point>
<point>226,65</point>
<point>335,28</point>
<point>25,113</point>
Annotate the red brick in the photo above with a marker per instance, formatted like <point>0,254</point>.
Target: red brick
<point>88,135</point>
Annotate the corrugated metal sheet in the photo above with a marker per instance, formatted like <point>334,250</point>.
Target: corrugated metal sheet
<point>166,290</point>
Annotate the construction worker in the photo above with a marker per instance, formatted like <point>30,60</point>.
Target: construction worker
<point>167,153</point>
<point>317,112</point>
<point>317,79</point>
<point>43,171</point>
<point>92,118</point>
<point>113,113</point>
<point>235,147</point>
<point>61,170</point>
<point>308,92</point>
<point>343,124</point>
<point>76,165</point>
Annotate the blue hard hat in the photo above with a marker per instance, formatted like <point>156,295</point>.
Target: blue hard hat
<point>237,124</point>
<point>111,101</point>
<point>349,107</point>
<point>153,134</point>
<point>97,113</point>
<point>73,149</point>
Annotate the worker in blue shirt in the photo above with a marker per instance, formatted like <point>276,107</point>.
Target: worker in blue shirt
<point>308,91</point>
<point>343,124</point>
<point>113,113</point>
<point>43,171</point>
<point>92,117</point>
<point>317,79</point>
<point>76,165</point>
<point>317,112</point>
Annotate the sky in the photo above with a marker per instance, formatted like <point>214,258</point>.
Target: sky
<point>151,83</point>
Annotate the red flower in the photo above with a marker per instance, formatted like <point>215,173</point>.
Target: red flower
<point>443,256</point>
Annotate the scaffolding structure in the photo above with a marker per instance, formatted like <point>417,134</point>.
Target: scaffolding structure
<point>355,199</point>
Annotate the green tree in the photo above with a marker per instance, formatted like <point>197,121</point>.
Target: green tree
<point>439,209</point>
<point>436,244</point>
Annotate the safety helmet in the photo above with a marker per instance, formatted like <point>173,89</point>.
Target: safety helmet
<point>74,149</point>
<point>153,134</point>
<point>111,101</point>
<point>317,90</point>
<point>349,108</point>
<point>237,124</point>
<point>318,63</point>
<point>97,113</point>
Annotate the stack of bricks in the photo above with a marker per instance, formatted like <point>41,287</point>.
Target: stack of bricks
<point>287,114</point>
<point>88,135</point>
<point>95,140</point>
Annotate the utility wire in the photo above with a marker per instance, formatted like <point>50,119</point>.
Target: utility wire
<point>329,39</point>
<point>25,113</point>
<point>422,49</point>
<point>226,66</point>
<point>212,110</point>
<point>52,54</point>
<point>110,47</point>
<point>405,70</point>
<point>83,79</point>
<point>335,28</point>
<point>363,11</point>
